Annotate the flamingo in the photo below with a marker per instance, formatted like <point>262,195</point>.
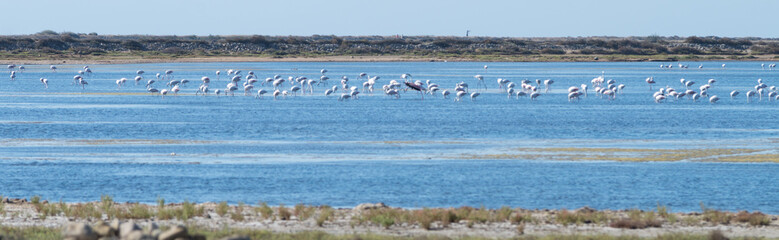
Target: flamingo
<point>650,81</point>
<point>169,73</point>
<point>330,91</point>
<point>276,93</point>
<point>120,82</point>
<point>323,80</point>
<point>202,89</point>
<point>294,90</point>
<point>53,68</point>
<point>445,93</point>
<point>247,88</point>
<point>21,68</point>
<point>45,83</point>
<point>218,73</point>
<point>733,94</point>
<point>152,90</point>
<point>750,94</point>
<point>480,81</point>
<point>713,99</point>
<point>175,90</point>
<point>459,95</point>
<point>277,83</point>
<point>573,96</point>
<point>393,93</point>
<point>344,96</point>
<point>547,84</point>
<point>164,92</point>
<point>82,82</point>
<point>534,95</point>
<point>659,98</point>
<point>354,94</point>
<point>416,87</point>
<point>140,72</point>
<point>474,95</point>
<point>260,93</point>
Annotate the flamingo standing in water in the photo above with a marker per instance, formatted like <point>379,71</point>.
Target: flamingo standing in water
<point>650,81</point>
<point>733,94</point>
<point>45,83</point>
<point>547,83</point>
<point>480,81</point>
<point>416,87</point>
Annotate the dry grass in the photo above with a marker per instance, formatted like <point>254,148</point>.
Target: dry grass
<point>284,213</point>
<point>753,219</point>
<point>303,212</point>
<point>325,213</point>
<point>264,210</point>
<point>222,208</point>
<point>566,217</point>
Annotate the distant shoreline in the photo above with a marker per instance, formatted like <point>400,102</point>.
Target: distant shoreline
<point>49,47</point>
<point>384,58</point>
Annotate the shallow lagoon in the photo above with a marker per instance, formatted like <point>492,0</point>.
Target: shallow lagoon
<point>72,144</point>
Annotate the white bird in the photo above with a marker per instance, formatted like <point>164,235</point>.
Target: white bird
<point>713,99</point>
<point>45,82</point>
<point>534,95</point>
<point>547,83</point>
<point>650,81</point>
<point>260,93</point>
<point>276,93</point>
<point>480,81</point>
<point>733,94</point>
<point>474,95</point>
<point>294,90</point>
<point>459,95</point>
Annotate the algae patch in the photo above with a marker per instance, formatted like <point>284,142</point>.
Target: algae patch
<point>630,154</point>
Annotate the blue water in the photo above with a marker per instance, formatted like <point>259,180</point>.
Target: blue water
<point>73,144</point>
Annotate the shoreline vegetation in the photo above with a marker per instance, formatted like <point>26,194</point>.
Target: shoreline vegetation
<point>49,47</point>
<point>40,219</point>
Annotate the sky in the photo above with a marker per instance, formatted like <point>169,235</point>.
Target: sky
<point>495,18</point>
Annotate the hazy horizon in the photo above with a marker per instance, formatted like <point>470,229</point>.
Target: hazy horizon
<point>491,18</point>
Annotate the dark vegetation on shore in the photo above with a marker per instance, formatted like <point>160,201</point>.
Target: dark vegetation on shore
<point>67,45</point>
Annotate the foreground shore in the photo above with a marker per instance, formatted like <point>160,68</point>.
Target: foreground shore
<point>36,218</point>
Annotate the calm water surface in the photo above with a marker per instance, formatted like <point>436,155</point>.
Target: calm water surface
<point>72,144</point>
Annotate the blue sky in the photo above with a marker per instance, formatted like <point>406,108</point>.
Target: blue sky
<point>499,18</point>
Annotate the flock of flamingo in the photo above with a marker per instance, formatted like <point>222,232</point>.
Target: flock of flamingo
<point>606,89</point>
